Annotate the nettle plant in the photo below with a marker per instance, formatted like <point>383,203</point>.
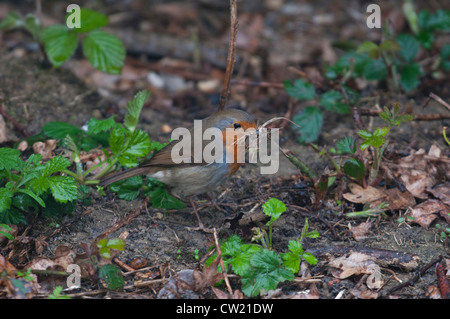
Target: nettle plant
<point>103,50</point>
<point>56,186</point>
<point>261,269</point>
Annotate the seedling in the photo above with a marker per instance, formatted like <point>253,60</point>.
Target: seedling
<point>293,258</point>
<point>57,294</point>
<point>272,208</point>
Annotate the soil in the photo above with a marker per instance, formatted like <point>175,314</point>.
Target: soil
<point>33,94</point>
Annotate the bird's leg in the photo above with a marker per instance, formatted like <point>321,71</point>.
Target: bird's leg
<point>200,224</point>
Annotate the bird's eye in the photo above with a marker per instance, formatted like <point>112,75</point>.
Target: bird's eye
<point>236,126</point>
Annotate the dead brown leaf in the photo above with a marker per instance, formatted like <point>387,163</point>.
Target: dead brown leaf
<point>375,196</point>
<point>354,264</point>
<point>45,149</point>
<point>424,213</point>
<point>359,232</point>
<point>442,192</point>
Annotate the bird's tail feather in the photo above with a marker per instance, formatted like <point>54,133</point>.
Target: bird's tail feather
<point>123,175</point>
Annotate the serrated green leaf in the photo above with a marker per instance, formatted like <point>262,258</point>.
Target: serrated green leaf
<point>350,60</point>
<point>56,164</point>
<point>409,46</point>
<point>112,276</point>
<point>310,122</point>
<point>160,198</point>
<point>309,258</point>
<point>59,130</point>
<point>346,144</point>
<point>96,126</point>
<point>240,263</point>
<point>300,89</point>
<point>370,48</point>
<point>333,101</point>
<point>9,158</point>
<point>410,76</point>
<point>365,134</point>
<point>273,208</point>
<point>12,216</point>
<point>127,189</point>
<point>266,273</point>
<point>5,199</point>
<point>59,42</point>
<point>313,234</point>
<point>134,108</point>
<point>375,70</point>
<point>104,51</point>
<point>39,185</point>
<point>63,188</point>
<point>440,20</point>
<point>11,21</point>
<point>90,20</point>
<point>381,131</point>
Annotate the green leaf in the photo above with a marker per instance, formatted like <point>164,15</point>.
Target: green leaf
<point>313,234</point>
<point>104,51</point>
<point>426,39</point>
<point>91,20</point>
<point>440,20</point>
<point>56,164</point>
<point>333,101</point>
<point>39,185</point>
<point>32,195</point>
<point>310,121</point>
<point>5,199</point>
<point>33,25</point>
<point>300,89</point>
<point>97,126</point>
<point>355,168</point>
<point>375,70</point>
<point>134,108</point>
<point>59,43</point>
<point>116,243</point>
<point>445,56</point>
<point>12,216</point>
<point>64,188</point>
<point>112,276</point>
<point>381,131</point>
<point>310,258</point>
<point>365,134</point>
<point>59,130</point>
<point>409,46</point>
<point>349,60</point>
<point>160,198</point>
<point>241,261</point>
<point>410,76</point>
<point>9,158</point>
<point>346,145</point>
<point>370,48</point>
<point>389,46</point>
<point>127,189</point>
<point>11,21</point>
<point>273,208</point>
<point>266,272</point>
<point>138,146</point>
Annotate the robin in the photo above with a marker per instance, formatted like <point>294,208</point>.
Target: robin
<point>194,177</point>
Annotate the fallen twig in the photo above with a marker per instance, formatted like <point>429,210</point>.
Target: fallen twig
<point>416,117</point>
<point>124,220</point>
<point>440,101</point>
<point>413,280</point>
<point>230,60</point>
<point>22,129</point>
<point>219,255</point>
